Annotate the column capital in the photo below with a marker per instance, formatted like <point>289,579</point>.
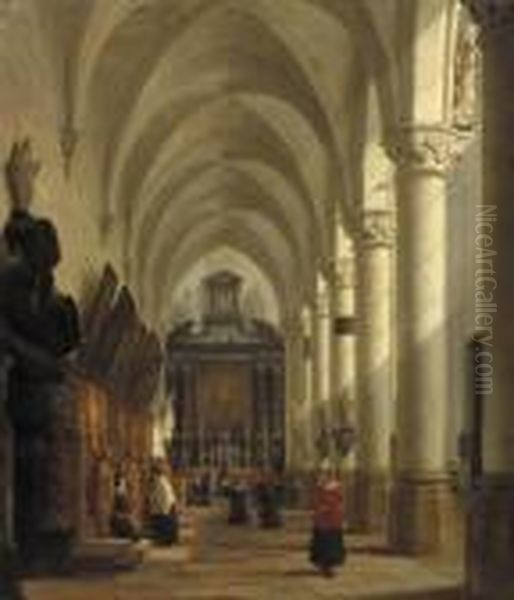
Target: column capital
<point>423,147</point>
<point>491,14</point>
<point>378,229</point>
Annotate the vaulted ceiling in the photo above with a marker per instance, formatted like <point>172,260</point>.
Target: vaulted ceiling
<point>220,123</point>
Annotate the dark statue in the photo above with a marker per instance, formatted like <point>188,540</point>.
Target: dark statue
<point>39,328</point>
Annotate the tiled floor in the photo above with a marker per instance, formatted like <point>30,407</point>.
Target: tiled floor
<point>232,563</point>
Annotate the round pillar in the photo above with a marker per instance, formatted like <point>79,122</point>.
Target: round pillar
<point>294,383</point>
<point>307,418</point>
<point>323,350</point>
<point>344,368</point>
<point>344,350</point>
<point>423,501</point>
<point>375,410</point>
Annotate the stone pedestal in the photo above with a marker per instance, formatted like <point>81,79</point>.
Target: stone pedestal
<point>6,469</point>
<point>427,518</point>
<point>9,584</point>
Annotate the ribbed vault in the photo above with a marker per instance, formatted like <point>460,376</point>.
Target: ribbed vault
<point>220,122</point>
<point>258,297</point>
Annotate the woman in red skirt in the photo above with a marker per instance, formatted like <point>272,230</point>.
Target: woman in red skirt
<point>327,543</point>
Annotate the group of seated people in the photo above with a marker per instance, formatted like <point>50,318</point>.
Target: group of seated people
<point>162,525</point>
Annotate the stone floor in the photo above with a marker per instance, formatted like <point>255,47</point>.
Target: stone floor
<point>230,563</point>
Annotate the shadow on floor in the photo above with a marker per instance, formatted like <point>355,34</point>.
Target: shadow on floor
<point>374,549</point>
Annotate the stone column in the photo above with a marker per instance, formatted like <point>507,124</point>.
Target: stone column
<point>375,410</point>
<point>307,417</point>
<point>323,347</point>
<point>423,503</point>
<point>293,394</point>
<point>345,372</point>
<point>257,437</point>
<point>277,412</point>
<point>189,414</point>
<point>344,353</point>
<point>491,524</point>
<point>262,436</point>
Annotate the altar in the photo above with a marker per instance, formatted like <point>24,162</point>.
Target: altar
<point>226,384</point>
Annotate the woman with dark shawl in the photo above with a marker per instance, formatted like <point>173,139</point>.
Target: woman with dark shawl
<point>327,543</point>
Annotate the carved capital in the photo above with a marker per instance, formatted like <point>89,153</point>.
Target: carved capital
<point>491,14</point>
<point>428,148</point>
<point>378,229</point>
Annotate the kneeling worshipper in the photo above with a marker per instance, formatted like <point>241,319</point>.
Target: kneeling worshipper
<point>163,508</point>
<point>123,524</point>
<point>327,548</point>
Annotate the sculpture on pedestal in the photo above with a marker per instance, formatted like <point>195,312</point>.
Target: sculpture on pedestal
<point>39,328</point>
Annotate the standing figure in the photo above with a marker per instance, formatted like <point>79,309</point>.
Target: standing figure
<point>238,502</point>
<point>268,497</point>
<point>163,507</point>
<point>204,488</point>
<point>327,548</point>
